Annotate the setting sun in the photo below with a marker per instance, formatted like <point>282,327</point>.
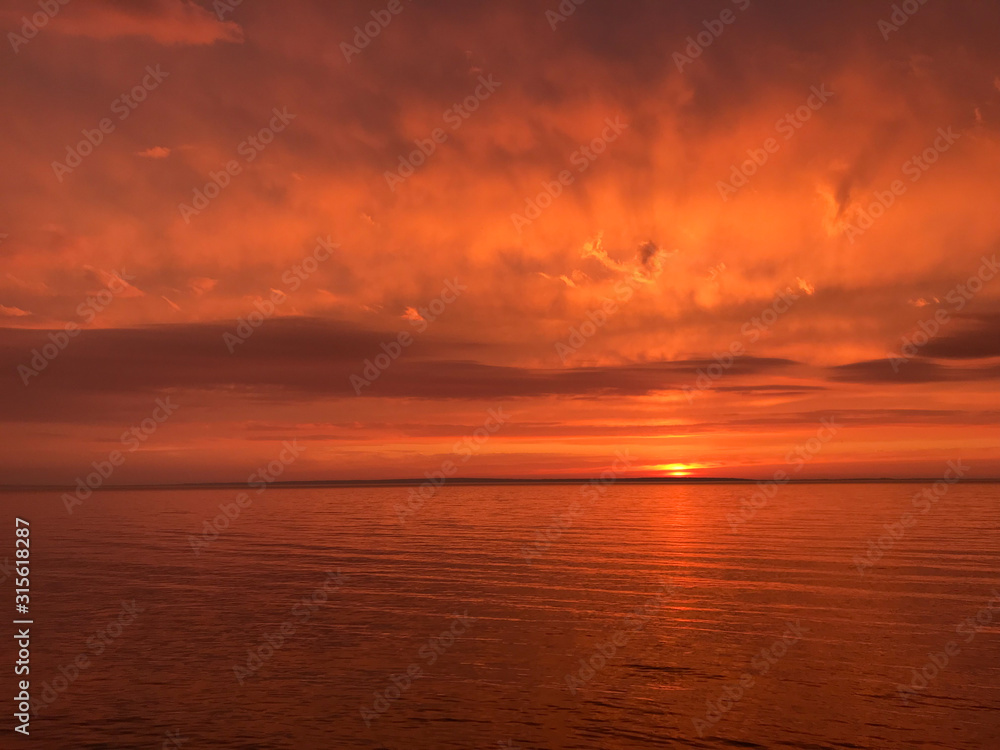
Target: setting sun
<point>678,470</point>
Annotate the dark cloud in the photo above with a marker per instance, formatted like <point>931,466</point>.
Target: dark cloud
<point>909,371</point>
<point>294,358</point>
<point>982,339</point>
<point>647,251</point>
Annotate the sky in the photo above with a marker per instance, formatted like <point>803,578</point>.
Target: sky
<point>517,239</point>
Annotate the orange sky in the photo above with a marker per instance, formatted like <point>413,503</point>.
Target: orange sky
<point>466,251</point>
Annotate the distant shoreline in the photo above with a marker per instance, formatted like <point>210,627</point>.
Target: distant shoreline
<point>483,482</point>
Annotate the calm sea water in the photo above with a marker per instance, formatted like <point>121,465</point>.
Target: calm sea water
<point>645,619</point>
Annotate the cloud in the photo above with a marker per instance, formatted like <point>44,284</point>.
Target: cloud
<point>202,285</point>
<point>647,251</point>
<point>981,339</point>
<point>315,358</point>
<point>164,21</point>
<point>646,265</point>
<point>156,152</point>
<point>913,371</point>
<point>410,313</point>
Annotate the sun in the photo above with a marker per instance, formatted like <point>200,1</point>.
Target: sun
<point>677,470</point>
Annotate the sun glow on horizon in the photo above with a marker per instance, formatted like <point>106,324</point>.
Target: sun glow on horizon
<point>678,469</point>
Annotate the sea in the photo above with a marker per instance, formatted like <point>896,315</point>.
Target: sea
<point>586,617</point>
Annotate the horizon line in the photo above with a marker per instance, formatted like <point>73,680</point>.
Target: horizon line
<point>486,481</point>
